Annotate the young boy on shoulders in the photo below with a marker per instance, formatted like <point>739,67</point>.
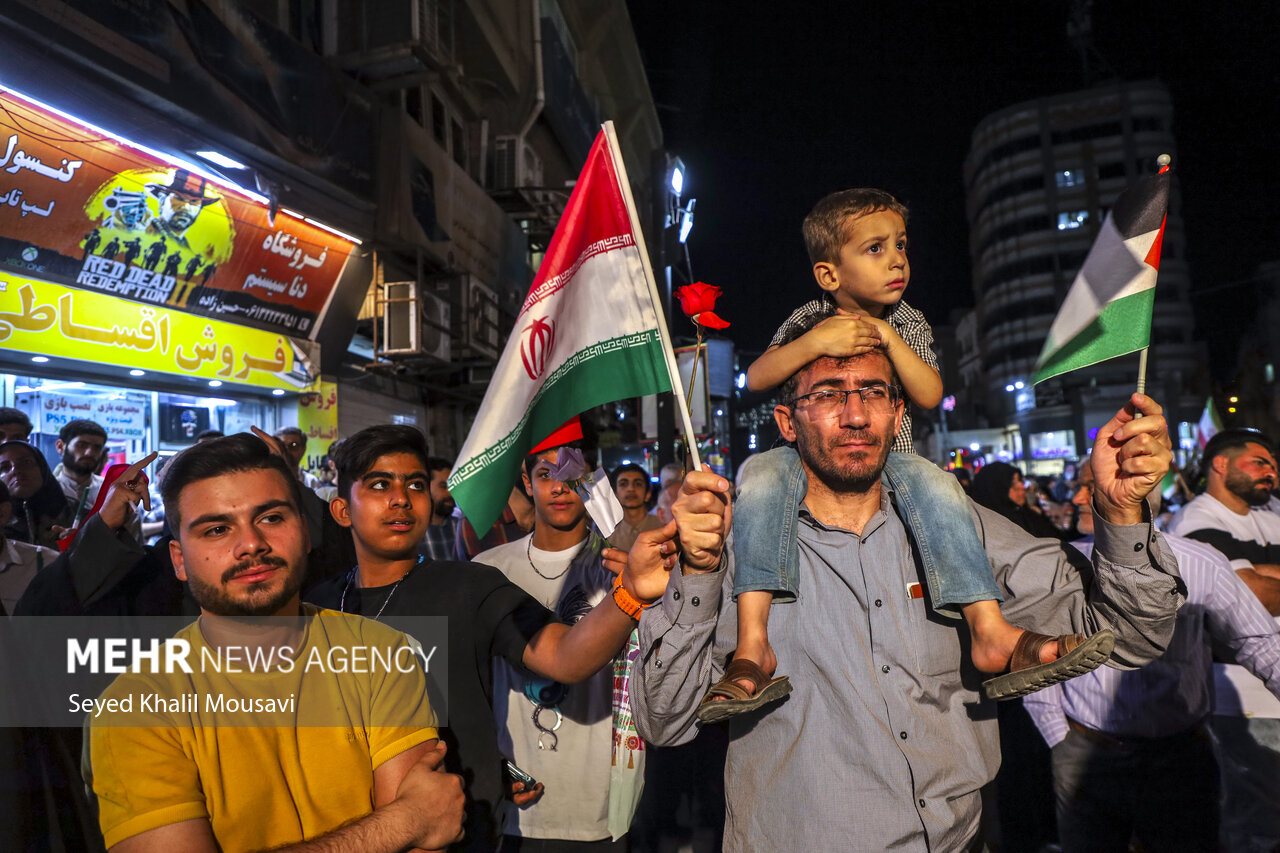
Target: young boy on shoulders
<point>857,241</point>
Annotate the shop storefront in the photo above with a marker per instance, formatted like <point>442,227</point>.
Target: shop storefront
<point>153,296</point>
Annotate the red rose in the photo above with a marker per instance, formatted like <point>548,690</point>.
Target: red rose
<point>698,300</point>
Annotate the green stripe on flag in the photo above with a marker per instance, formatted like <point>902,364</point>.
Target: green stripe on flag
<point>1124,326</point>
<point>617,369</point>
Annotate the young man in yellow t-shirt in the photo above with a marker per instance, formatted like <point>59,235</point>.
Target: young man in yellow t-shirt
<point>346,762</point>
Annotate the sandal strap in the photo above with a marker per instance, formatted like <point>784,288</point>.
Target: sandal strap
<point>742,669</point>
<point>727,690</point>
<point>1026,653</point>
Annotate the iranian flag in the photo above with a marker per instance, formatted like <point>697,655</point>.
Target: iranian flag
<point>1107,312</point>
<point>1210,423</point>
<point>589,333</point>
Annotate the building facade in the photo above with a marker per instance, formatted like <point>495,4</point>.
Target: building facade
<point>1040,177</point>
<point>370,184</point>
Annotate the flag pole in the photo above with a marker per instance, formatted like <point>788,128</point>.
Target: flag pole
<point>673,370</point>
<point>1163,161</point>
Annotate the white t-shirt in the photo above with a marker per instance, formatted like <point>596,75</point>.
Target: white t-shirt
<point>1206,512</point>
<point>575,803</point>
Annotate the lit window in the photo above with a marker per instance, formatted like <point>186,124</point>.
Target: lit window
<point>1073,219</point>
<point>1070,177</point>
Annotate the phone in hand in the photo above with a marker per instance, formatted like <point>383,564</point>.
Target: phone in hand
<point>518,775</point>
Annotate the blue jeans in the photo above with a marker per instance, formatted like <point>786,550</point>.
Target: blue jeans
<point>929,501</point>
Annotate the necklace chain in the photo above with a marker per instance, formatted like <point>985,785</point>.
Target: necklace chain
<point>351,575</point>
<point>529,553</point>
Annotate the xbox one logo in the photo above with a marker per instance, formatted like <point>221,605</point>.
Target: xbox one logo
<point>30,253</point>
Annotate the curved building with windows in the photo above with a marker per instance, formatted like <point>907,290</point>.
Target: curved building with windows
<point>1040,177</point>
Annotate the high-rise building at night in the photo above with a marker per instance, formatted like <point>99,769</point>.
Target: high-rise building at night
<point>1040,177</point>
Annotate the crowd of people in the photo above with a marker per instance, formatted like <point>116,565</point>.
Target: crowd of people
<point>849,648</point>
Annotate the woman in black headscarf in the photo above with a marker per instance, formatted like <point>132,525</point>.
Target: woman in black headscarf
<point>999,487</point>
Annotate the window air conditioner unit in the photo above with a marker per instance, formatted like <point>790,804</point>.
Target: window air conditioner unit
<point>400,325</point>
<point>436,336</point>
<point>475,315</point>
<point>515,164</point>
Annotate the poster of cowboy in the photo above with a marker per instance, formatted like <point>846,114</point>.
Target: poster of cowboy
<point>85,210</point>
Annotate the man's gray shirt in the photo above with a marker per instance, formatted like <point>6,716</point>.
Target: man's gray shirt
<point>886,739</point>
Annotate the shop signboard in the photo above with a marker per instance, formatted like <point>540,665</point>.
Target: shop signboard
<point>122,419</point>
<point>91,211</point>
<point>318,420</point>
<point>49,319</point>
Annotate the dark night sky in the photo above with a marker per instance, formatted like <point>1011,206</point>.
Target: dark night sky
<point>772,105</point>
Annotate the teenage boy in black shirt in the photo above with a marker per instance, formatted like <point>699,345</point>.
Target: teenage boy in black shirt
<point>384,498</point>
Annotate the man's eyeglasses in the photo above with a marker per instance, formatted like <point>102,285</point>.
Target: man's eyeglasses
<point>830,401</point>
<point>294,444</point>
<point>1088,487</point>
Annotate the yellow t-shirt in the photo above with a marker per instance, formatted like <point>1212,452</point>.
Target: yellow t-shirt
<point>259,786</point>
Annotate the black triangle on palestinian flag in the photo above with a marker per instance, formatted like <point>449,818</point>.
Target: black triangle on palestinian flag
<point>1108,309</point>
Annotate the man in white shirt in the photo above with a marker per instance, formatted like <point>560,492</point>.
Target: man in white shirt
<point>82,445</point>
<point>563,737</point>
<point>1231,516</point>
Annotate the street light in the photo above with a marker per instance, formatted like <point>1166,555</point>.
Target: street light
<point>685,215</point>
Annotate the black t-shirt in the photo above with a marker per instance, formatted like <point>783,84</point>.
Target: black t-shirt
<point>488,617</point>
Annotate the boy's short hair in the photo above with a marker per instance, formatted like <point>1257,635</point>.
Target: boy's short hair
<point>230,454</point>
<point>9,415</point>
<point>438,463</point>
<point>79,427</point>
<point>356,455</point>
<point>632,467</point>
<point>826,228</point>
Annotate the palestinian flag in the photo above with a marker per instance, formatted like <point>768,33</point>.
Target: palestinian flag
<point>1107,312</point>
<point>589,333</point>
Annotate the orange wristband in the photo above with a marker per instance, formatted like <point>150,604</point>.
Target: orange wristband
<point>626,602</point>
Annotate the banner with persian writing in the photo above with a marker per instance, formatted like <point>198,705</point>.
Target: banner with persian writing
<point>81,208</point>
<point>51,319</point>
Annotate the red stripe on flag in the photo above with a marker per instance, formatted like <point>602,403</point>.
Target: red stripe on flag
<point>595,213</point>
<point>1153,255</point>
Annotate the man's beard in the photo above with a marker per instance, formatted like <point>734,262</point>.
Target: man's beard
<point>70,464</point>
<point>215,599</point>
<point>854,475</point>
<point>1246,488</point>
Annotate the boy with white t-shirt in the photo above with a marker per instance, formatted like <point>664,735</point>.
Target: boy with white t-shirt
<point>563,735</point>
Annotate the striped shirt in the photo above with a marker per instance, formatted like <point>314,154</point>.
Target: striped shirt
<point>910,325</point>
<point>1173,693</point>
